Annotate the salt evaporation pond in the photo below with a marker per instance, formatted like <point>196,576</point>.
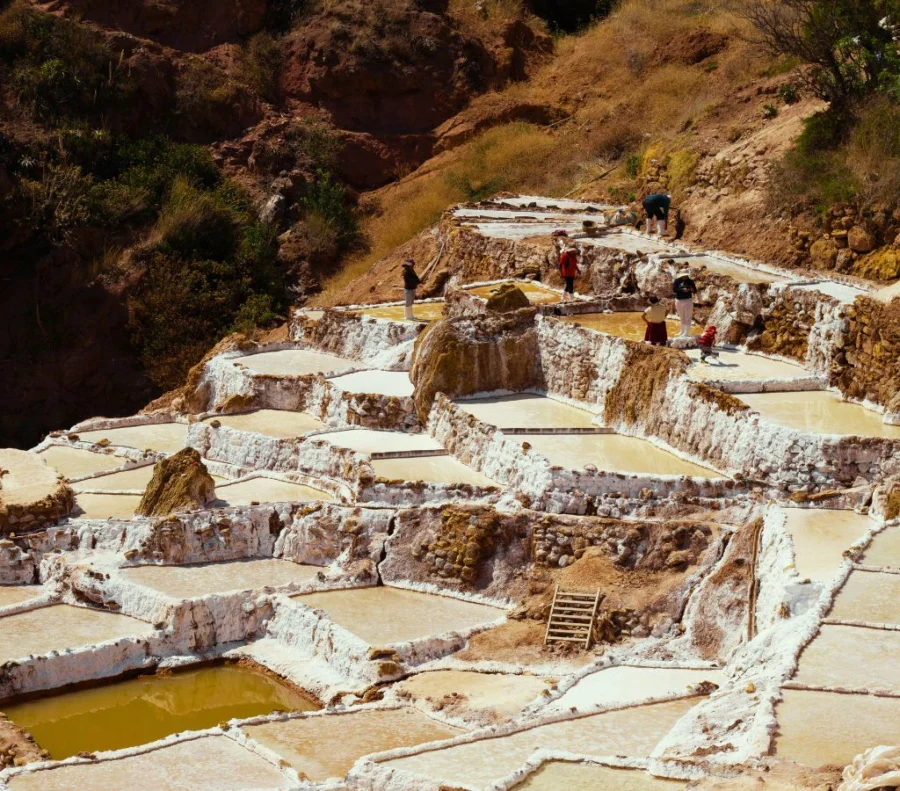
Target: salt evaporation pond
<point>536,293</point>
<point>422,311</point>
<point>105,506</point>
<point>629,243</point>
<point>633,732</point>
<point>295,362</point>
<point>277,423</point>
<point>614,453</point>
<point>515,230</point>
<point>557,775</point>
<point>16,594</point>
<point>819,728</point>
<point>364,440</point>
<point>162,437</point>
<point>213,763</point>
<point>526,411</point>
<point>736,271</point>
<point>821,536</point>
<point>77,463</point>
<point>267,490</point>
<point>62,626</point>
<point>127,480</point>
<point>429,469</point>
<point>852,657</point>
<point>626,324</point>
<point>402,615</point>
<point>884,551</point>
<point>503,694</point>
<point>869,597</point>
<point>820,412</point>
<point>387,383</point>
<point>326,747</point>
<point>147,708</point>
<point>734,365</point>
<point>188,582</point>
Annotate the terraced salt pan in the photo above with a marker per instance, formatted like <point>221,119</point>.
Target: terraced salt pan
<point>76,463</point>
<point>526,215</point>
<point>366,440</point>
<point>852,657</point>
<point>820,537</point>
<point>734,365</point>
<point>820,412</point>
<point>557,775</point>
<point>387,383</point>
<point>613,453</point>
<point>61,626</point>
<point>543,202</point>
<point>869,597</point>
<point>296,362</point>
<point>189,582</point>
<point>629,243</point>
<point>628,324</point>
<point>16,594</point>
<point>623,685</point>
<point>884,551</point>
<point>105,506</point>
<point>207,764</point>
<point>162,437</point>
<point>817,728</point>
<point>127,480</point>
<point>632,732</point>
<point>737,272</point>
<point>537,294</point>
<point>267,490</point>
<point>839,291</point>
<point>512,230</point>
<point>327,746</point>
<point>27,478</point>
<point>386,616</point>
<point>271,422</point>
<point>503,694</point>
<point>527,411</point>
<point>422,311</point>
<point>429,469</point>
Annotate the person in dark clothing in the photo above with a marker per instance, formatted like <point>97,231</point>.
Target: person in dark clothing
<point>656,207</point>
<point>410,284</point>
<point>654,317</point>
<point>683,290</point>
<point>568,269</point>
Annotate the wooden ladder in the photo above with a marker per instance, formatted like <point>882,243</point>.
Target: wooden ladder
<point>572,617</point>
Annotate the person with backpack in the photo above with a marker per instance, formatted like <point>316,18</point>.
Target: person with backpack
<point>656,207</point>
<point>683,290</point>
<point>411,282</point>
<point>568,270</point>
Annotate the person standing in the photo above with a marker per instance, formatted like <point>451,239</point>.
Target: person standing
<point>656,207</point>
<point>568,269</point>
<point>410,284</point>
<point>684,289</point>
<point>655,318</point>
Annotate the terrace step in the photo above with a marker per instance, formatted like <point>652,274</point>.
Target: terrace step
<point>569,607</point>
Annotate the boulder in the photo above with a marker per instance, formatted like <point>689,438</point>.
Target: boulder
<point>823,254</point>
<point>860,240</point>
<point>180,483</point>
<point>507,298</point>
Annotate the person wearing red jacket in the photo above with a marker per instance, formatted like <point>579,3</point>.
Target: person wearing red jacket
<point>568,269</point>
<point>706,342</point>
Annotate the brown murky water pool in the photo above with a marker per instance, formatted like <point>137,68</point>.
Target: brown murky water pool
<point>142,710</point>
<point>628,325</point>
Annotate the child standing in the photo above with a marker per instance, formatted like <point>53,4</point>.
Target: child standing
<point>706,342</point>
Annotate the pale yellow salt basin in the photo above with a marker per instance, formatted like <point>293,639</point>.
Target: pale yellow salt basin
<point>429,469</point>
<point>56,628</point>
<point>162,437</point>
<point>820,538</point>
<point>852,657</point>
<point>738,273</point>
<point>623,685</point>
<point>105,506</point>
<point>267,490</point>
<point>328,746</point>
<point>819,728</point>
<point>537,294</point>
<point>502,694</point>
<point>271,422</point>
<point>613,453</point>
<point>527,411</point>
<point>629,243</point>
<point>558,775</point>
<point>76,463</point>
<point>884,551</point>
<point>386,616</point>
<point>629,325</point>
<point>870,597</point>
<point>387,383</point>
<point>295,362</point>
<point>735,365</point>
<point>820,412</point>
<point>422,311</point>
<point>189,582</point>
<point>26,479</point>
<point>632,732</point>
<point>213,763</point>
<point>16,594</point>
<point>137,478</point>
<point>366,440</point>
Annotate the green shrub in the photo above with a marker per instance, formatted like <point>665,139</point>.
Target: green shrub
<point>203,91</point>
<point>194,224</point>
<point>261,65</point>
<point>326,199</point>
<point>58,203</point>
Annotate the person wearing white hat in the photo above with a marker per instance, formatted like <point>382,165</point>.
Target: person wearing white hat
<point>683,290</point>
<point>410,284</point>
